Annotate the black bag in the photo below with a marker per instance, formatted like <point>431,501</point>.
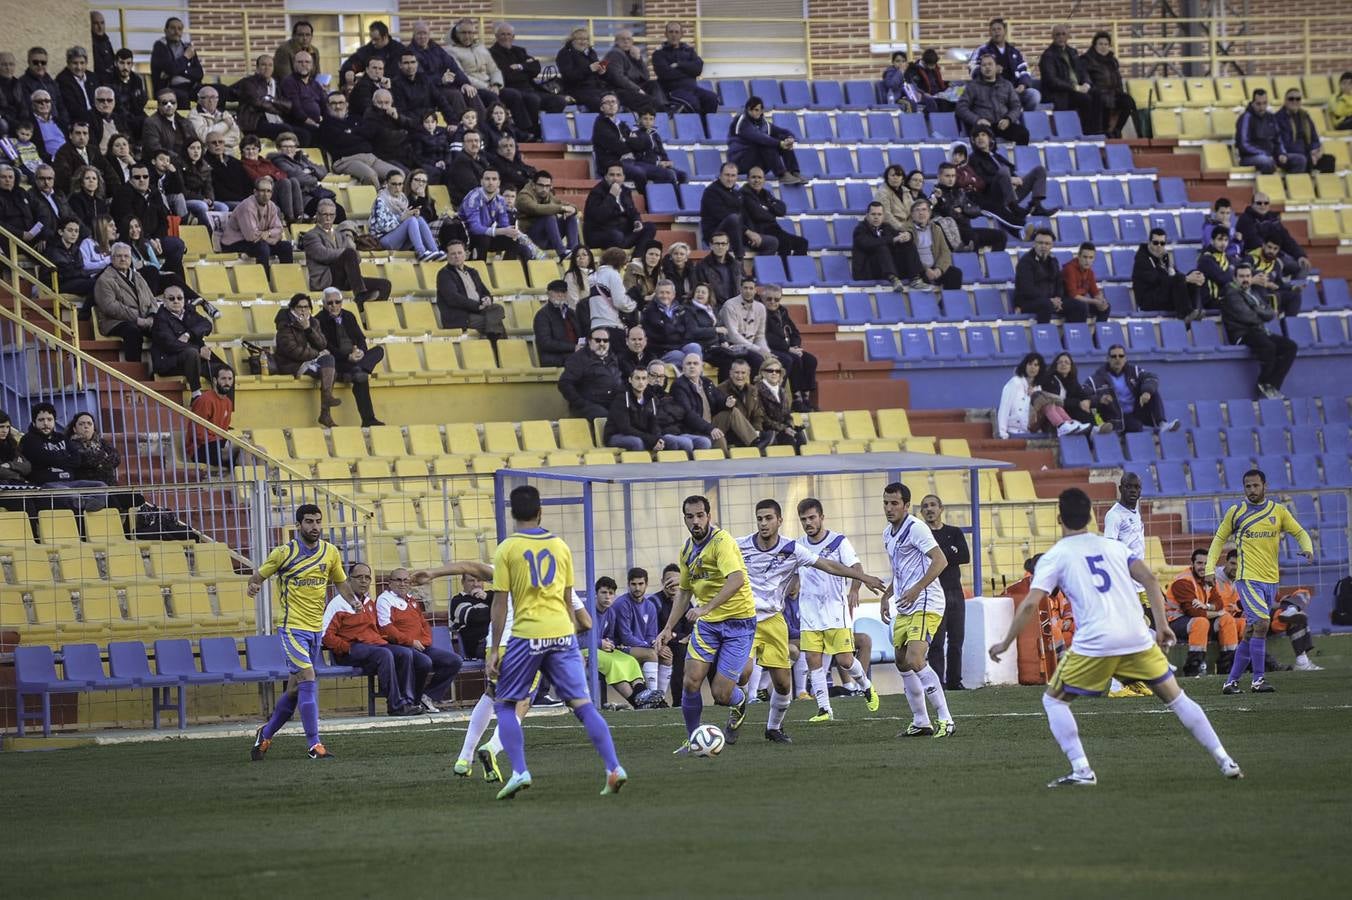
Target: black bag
<point>156,524</point>
<point>253,363</point>
<point>1342,601</point>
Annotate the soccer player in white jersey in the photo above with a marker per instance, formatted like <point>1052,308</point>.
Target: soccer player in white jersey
<point>771,560</point>
<point>917,608</point>
<point>826,605</point>
<point>1123,523</point>
<point>1096,575</point>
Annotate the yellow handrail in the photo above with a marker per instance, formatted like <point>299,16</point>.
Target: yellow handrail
<point>22,283</point>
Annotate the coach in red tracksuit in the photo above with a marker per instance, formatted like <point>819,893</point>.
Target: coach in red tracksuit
<point>402,622</point>
<point>355,640</point>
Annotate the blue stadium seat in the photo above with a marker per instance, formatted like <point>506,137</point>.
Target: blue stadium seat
<point>662,199</point>
<point>1209,414</point>
<point>860,94</point>
<point>689,127</point>
<point>1241,412</point>
<point>810,166</point>
<point>1272,438</point>
<point>1206,442</point>
<point>815,232</point>
<point>882,127</point>
<point>797,94</point>
<point>801,271</point>
<point>1185,258</point>
<point>836,270</point>
<point>554,128</point>
<point>1141,445</point>
<point>915,344</point>
<point>858,194</point>
<point>769,269</point>
<point>691,195</point>
<point>1300,330</point>
<point>680,159</point>
<point>957,306</point>
<point>825,197</point>
<point>1080,195</point>
<point>1305,472</point>
<point>930,158</point>
<point>732,93</point>
<point>1188,228</point>
<point>1333,546</point>
<point>1026,157</point>
<point>1332,509</point>
<point>1088,161</point>
<point>1206,477</point>
<point>1336,294</point>
<point>707,162</point>
<point>1070,230</point>
<point>1202,516</point>
<point>1067,124</point>
<point>1173,192</point>
<point>1330,332</point>
<point>850,128</point>
<point>924,306</point>
<point>969,264</point>
<point>828,95</point>
<point>1074,451</point>
<point>1336,439</point>
<point>902,156</point>
<point>1335,409</point>
<point>1013,340</point>
<point>1239,440</point>
<point>1273,412</point>
<point>1337,470</point>
<point>1305,438</point>
<point>1039,126</point>
<point>1101,229</point>
<point>891,307</point>
<point>1234,469</point>
<point>881,634</point>
<point>999,266</point>
<point>869,161</point>
<point>1278,478</point>
<point>1142,336</point>
<point>944,126</point>
<point>914,128</point>
<point>948,343</point>
<point>1140,193</point>
<point>1173,336</point>
<point>583,125</point>
<point>1108,450</point>
<point>989,303</point>
<point>1206,336</point>
<point>1146,472</point>
<point>858,309</point>
<point>1178,409</point>
<point>1119,158</point>
<point>1133,230</point>
<point>881,344</point>
<point>796,199</point>
<point>1046,340</point>
<point>1106,334</point>
<point>1079,340</point>
<point>1173,480</point>
<point>1057,158</point>
<point>664,127</point>
<point>817,128</point>
<point>981,343</point>
<point>1174,445</point>
<point>823,309</point>
<point>842,229</point>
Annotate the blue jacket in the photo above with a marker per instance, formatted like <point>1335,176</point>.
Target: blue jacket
<point>1013,67</point>
<point>1255,134</point>
<point>636,622</point>
<point>746,132</point>
<point>1298,131</point>
<point>484,216</point>
<point>606,624</point>
<point>677,67</point>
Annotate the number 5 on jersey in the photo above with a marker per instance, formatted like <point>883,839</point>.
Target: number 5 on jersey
<point>1103,580</point>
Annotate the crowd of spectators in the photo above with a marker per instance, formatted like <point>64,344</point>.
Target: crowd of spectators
<point>47,456</point>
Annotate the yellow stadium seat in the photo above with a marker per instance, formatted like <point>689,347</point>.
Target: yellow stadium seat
<point>359,198</point>
<point>1216,157</point>
<point>565,458</point>
<point>485,464</point>
<point>382,318</point>
<point>213,281</point>
<point>213,560</point>
<point>1325,223</point>
<point>145,605</point>
<point>14,529</point>
<point>99,607</point>
<point>412,474</point>
<point>233,323</point>
<point>374,476</point>
<point>196,240</point>
<point>1230,92</point>
<point>951,486</point>
<point>537,436</point>
<point>844,447</point>
<point>744,453</point>
<point>525,461</point>
<point>514,355</point>
<point>1012,522</point>
<point>1223,122</point>
<point>1164,122</point>
<point>1170,92</point>
<point>425,440</point>
<point>251,280</point>
<point>191,604</point>
<point>858,424</point>
<point>441,196</point>
<point>809,448</point>
<point>597,458</point>
<point>1273,186</point>
<point>441,357</point>
<point>169,563</point>
<point>776,450</point>
<point>1253,83</point>
<point>32,567</point>
<point>383,553</point>
<point>478,356</point>
<point>428,271</point>
<point>13,610</point>
<point>420,317</point>
<point>309,443</point>
<point>893,424</point>
<point>337,472</point>
<point>233,600</point>
<point>403,358</point>
<point>403,278</point>
<point>1044,520</point>
<point>370,269</point>
<point>424,552</point>
<point>57,528</point>
<point>1201,92</point>
<point>542,272</point>
<point>124,564</point>
<point>387,441</point>
<point>1318,89</point>
<point>437,513</point>
<point>476,511</point>
<point>1140,90</point>
<point>1018,484</point>
<point>348,442</point>
<point>1280,85</point>
<point>642,456</point>
<point>481,267</point>
<point>824,426</point>
<point>1341,151</point>
<point>78,564</point>
<point>1194,125</point>
<point>920,444</point>
<point>1300,188</point>
<point>990,486</point>
<point>576,434</point>
<point>104,527</point>
<point>509,277</point>
<point>53,606</point>
<point>462,439</point>
<point>954,447</point>
<point>290,279</point>
<point>399,515</point>
<point>500,437</point>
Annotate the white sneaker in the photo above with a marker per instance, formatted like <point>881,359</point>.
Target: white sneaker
<point>1068,428</point>
<point>1170,425</point>
<point>429,704</point>
<point>1075,779</point>
<point>1231,769</point>
<point>1307,666</point>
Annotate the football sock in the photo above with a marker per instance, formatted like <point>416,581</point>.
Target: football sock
<point>799,674</point>
<point>479,718</point>
<point>754,682</point>
<point>281,714</point>
<point>934,692</point>
<point>494,745</point>
<point>1241,661</point>
<point>308,704</point>
<point>1114,686</point>
<point>820,689</point>
<point>779,705</point>
<point>598,734</point>
<point>650,675</point>
<point>1195,720</point>
<point>663,679</point>
<point>513,740</point>
<point>692,706</point>
<point>738,695</point>
<point>856,671</point>
<point>1302,659</point>
<point>915,698</point>
<point>1066,732</point>
<point>1258,655</point>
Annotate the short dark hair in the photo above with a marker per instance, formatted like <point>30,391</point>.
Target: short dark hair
<point>542,173</point>
<point>1259,92</point>
<point>1087,245</point>
<point>638,572</point>
<point>947,165</point>
<point>605,581</point>
<point>875,203</point>
<point>38,409</point>
<point>124,53</point>
<point>1112,347</point>
<point>1262,476</point>
<point>1200,551</point>
<point>807,504</point>
<point>996,21</point>
<point>525,502</point>
<point>897,487</point>
<point>670,567</point>
<point>1234,552</point>
<point>1075,507</point>
<point>1041,231</point>
<point>307,509</point>
<point>1243,265</point>
<point>557,286</point>
<point>406,54</point>
<point>379,28</point>
<point>1159,231</point>
<point>696,498</point>
<point>750,278</point>
<point>1220,203</point>
<point>768,503</point>
<point>301,23</point>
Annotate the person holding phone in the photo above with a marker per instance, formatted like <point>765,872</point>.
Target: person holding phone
<point>398,224</point>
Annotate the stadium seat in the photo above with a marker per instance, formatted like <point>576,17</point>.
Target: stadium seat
<point>1172,478</point>
<point>1075,452</point>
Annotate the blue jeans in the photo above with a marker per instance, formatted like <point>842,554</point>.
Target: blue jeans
<point>1030,98</point>
<point>412,234</point>
<point>625,442</point>
<point>546,234</point>
<point>686,442</point>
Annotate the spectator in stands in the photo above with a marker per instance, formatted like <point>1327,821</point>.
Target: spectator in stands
<point>1009,65</point>
<point>1039,289</point>
<point>466,170</point>
<point>1259,223</point>
<point>97,248</point>
<point>610,146</point>
<point>581,72</point>
<point>635,354</point>
<point>577,275</point>
<point>353,359</point>
<point>37,77</point>
<point>230,181</point>
<point>761,211</point>
<point>1223,214</point>
<point>557,335</point>
<point>332,259</point>
<point>440,67</point>
<point>546,220</point>
<point>667,325</point>
<point>174,63</point>
<point>348,145</point>
<point>1340,106</point>
<point>610,218</point>
<point>513,171</point>
<point>96,460</point>
<point>591,377</point>
<point>483,73</point>
<point>1260,141</point>
<point>141,199</point>
<point>464,299</point>
<point>927,78</point>
<point>876,249</point>
<point>49,206</point>
<point>1300,134</point>
<point>262,109</point>
<point>1004,189</point>
<point>753,141</point>
<point>399,226</point>
<point>101,46</point>
<point>403,623</point>
<point>776,407</point>
<point>1109,93</point>
<point>446,225</point>
<point>52,460</point>
<point>298,166</point>
<point>929,260</point>
<point>14,469</point>
<point>992,101</point>
<point>23,150</point>
<point>209,117</point>
<point>677,67</point>
<point>1159,286</point>
<point>721,209</point>
<point>388,129</point>
<point>500,124</point>
<point>627,71</point>
<point>16,207</point>
<point>1268,281</point>
<point>896,196</point>
<point>381,46</point>
<point>1244,314</point>
<point>471,616</point>
<point>679,270</point>
<point>744,321</point>
<point>430,147</point>
<point>632,423</point>
<point>948,201</point>
<point>125,303</point>
<point>1216,266</point>
<point>609,304</point>
<point>1064,81</point>
<point>1064,384</point>
<point>786,343</point>
<point>711,406</point>
<point>413,90</point>
<point>705,329</point>
<point>642,272</point>
<point>178,341</point>
<point>300,349</point>
<point>74,155</point>
<point>1127,395</point>
<point>165,129</point>
<point>353,636</point>
<point>373,79</point>
<point>681,428</point>
<point>302,41</point>
<point>1083,299</point>
<point>743,398</point>
<point>13,100</point>
<point>76,85</point>
<point>896,89</point>
<point>255,227</point>
<point>1195,611</point>
<point>129,94</point>
<point>1027,407</point>
<point>289,196</point>
<point>88,198</point>
<point>488,219</point>
<point>67,263</point>
<point>719,269</point>
<point>519,70</point>
<point>217,406</point>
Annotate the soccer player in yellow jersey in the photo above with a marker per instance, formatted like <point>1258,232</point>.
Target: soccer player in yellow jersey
<point>536,568</point>
<point>305,567</point>
<point>1256,526</point>
<point>713,572</point>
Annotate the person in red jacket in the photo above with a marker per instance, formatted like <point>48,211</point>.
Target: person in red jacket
<point>353,637</point>
<point>400,617</point>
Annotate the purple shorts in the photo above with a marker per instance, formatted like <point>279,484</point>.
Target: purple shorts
<point>1257,598</point>
<point>558,658</point>
<point>303,648</point>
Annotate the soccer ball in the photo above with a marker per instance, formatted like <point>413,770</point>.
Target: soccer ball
<point>706,741</point>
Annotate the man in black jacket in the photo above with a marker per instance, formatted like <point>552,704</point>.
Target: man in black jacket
<point>37,77</point>
<point>519,70</point>
<point>464,299</point>
<point>1259,223</point>
<point>467,168</point>
<point>556,331</point>
<point>1245,314</point>
<point>1064,83</point>
<point>370,81</point>
<point>610,218</point>
<point>786,343</point>
<point>615,143</point>
<point>129,92</point>
<point>141,199</point>
<point>174,63</point>
<point>677,67</point>
<point>49,205</point>
<point>720,269</point>
<point>951,201</point>
<point>77,83</point>
<point>471,616</point>
<point>1004,189</point>
<point>760,214</point>
<point>591,378</point>
<point>875,249</point>
<point>347,141</point>
<point>511,168</point>
<point>388,129</point>
<point>1158,286</point>
<point>353,359</point>
<point>415,93</point>
<point>720,209</point>
<point>1127,395</point>
<point>1039,289</point>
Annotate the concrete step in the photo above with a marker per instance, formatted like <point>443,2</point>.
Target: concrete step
<point>1051,482</point>
<point>970,431</point>
<point>854,389</point>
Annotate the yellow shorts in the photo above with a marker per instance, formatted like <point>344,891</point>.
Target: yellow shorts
<point>915,627</point>
<point>770,647</point>
<point>830,641</point>
<point>1090,675</point>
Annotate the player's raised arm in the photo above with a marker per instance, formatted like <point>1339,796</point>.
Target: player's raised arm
<point>481,571</point>
<point>854,573</point>
<point>1027,609</point>
<point>1164,635</point>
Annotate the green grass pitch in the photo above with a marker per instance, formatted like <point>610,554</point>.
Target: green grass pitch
<point>847,810</point>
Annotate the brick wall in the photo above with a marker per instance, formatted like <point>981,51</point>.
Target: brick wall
<point>228,36</point>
